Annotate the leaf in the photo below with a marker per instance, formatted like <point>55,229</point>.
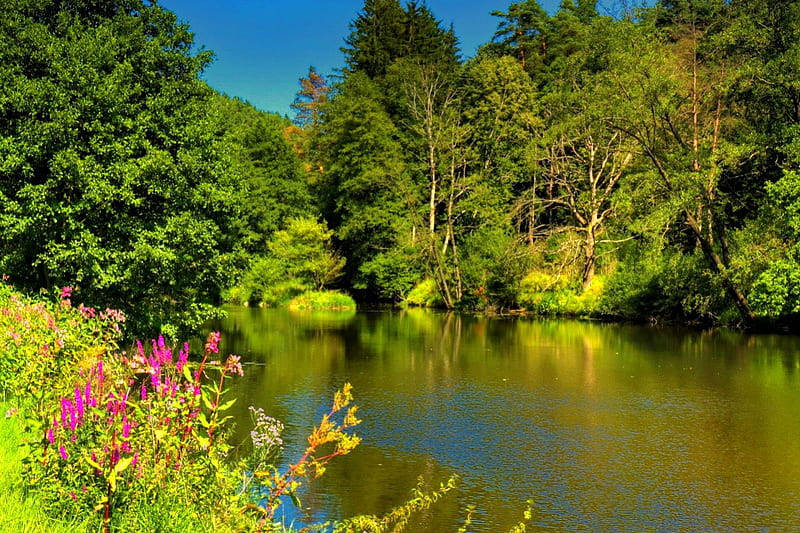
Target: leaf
<point>123,463</point>
<point>227,405</point>
<point>92,462</point>
<point>187,374</point>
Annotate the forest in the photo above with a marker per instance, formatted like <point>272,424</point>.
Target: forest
<point>637,165</point>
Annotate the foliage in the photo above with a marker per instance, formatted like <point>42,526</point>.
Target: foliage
<point>270,179</point>
<point>144,427</point>
<point>322,301</point>
<point>327,441</point>
<point>424,294</point>
<point>496,261</point>
<point>776,291</point>
<point>41,339</point>
<point>304,252</point>
<point>396,520</point>
<point>114,177</point>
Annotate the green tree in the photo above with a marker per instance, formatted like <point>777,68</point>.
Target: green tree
<point>671,99</point>
<point>113,175</point>
<point>376,38</point>
<point>270,177</point>
<point>364,189</point>
<point>304,252</point>
<point>385,32</point>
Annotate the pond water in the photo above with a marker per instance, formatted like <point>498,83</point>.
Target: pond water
<point>602,426</point>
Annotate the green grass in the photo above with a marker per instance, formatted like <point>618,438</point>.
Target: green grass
<point>322,301</point>
<point>18,513</point>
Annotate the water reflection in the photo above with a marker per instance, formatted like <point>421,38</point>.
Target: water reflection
<point>605,426</point>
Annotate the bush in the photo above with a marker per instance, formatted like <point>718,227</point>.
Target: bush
<point>137,431</point>
<point>42,339</point>
<point>323,301</point>
<point>424,294</point>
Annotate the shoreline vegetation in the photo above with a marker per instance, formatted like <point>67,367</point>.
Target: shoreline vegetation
<point>99,438</point>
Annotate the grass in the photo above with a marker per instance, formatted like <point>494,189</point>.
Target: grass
<point>18,513</point>
<point>322,301</point>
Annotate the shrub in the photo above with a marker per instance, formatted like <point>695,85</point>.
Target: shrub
<point>138,429</point>
<point>43,339</point>
<point>424,294</point>
<point>323,301</point>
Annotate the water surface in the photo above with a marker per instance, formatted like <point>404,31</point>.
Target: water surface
<point>602,426</point>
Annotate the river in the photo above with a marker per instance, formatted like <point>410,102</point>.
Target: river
<point>602,426</point>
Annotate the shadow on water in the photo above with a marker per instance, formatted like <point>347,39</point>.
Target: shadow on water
<point>604,426</point>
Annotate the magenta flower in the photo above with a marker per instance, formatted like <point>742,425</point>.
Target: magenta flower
<point>79,403</point>
<point>183,357</point>
<point>212,345</point>
<point>66,292</point>
<point>63,452</point>
<point>50,436</point>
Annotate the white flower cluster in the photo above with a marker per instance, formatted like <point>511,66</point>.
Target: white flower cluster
<point>266,435</point>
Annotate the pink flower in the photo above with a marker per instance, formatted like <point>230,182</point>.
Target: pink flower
<point>66,292</point>
<point>63,452</point>
<point>233,365</point>
<point>212,345</point>
<point>183,357</point>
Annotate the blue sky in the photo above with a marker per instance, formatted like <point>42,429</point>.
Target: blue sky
<point>263,47</point>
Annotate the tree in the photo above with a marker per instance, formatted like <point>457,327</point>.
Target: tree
<point>365,189</point>
<point>269,175</point>
<point>523,33</point>
<point>384,32</point>
<point>376,38</point>
<point>310,99</point>
<point>304,252</point>
<point>114,178</point>
<point>672,103</point>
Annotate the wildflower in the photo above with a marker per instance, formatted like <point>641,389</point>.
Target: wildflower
<point>11,412</point>
<point>79,403</point>
<point>212,345</point>
<point>183,357</point>
<point>88,312</point>
<point>63,452</point>
<point>51,438</point>
<point>66,292</point>
<point>233,365</point>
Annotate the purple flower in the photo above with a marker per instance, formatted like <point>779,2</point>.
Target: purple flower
<point>183,357</point>
<point>87,394</point>
<point>143,393</point>
<point>79,403</point>
<point>50,437</point>
<point>66,292</point>
<point>64,411</point>
<point>63,452</point>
